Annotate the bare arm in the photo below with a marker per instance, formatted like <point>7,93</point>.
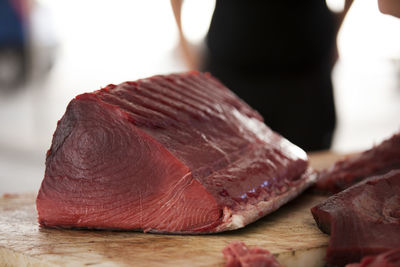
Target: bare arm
<point>390,7</point>
<point>342,15</point>
<point>191,58</point>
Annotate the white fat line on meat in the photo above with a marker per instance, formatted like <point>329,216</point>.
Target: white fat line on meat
<point>213,145</point>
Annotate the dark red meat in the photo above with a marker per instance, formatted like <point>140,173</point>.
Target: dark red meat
<point>378,160</point>
<point>178,153</point>
<point>362,220</point>
<point>237,254</point>
<point>387,259</point>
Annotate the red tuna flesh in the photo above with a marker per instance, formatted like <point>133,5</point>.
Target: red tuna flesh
<point>362,220</point>
<point>387,259</point>
<point>237,254</point>
<point>173,154</point>
<point>377,160</point>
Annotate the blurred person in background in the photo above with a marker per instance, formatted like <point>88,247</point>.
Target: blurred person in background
<point>28,44</point>
<point>13,43</point>
<point>278,57</point>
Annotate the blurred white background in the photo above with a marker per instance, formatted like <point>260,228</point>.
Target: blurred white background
<point>81,46</point>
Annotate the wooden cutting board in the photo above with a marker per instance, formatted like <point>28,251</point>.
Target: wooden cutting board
<point>289,233</point>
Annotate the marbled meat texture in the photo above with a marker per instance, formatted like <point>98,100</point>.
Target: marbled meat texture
<point>171,154</point>
<point>362,220</point>
<point>377,160</point>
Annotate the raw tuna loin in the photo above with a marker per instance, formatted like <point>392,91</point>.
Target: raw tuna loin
<point>387,259</point>
<point>172,154</point>
<point>362,220</point>
<point>377,160</point>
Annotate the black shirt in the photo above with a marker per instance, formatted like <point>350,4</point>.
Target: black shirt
<point>277,56</point>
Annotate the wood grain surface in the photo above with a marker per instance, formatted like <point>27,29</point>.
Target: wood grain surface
<point>289,233</point>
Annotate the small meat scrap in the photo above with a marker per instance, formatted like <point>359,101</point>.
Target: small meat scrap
<point>362,220</point>
<point>387,259</point>
<point>175,153</point>
<point>377,160</point>
<point>237,254</point>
